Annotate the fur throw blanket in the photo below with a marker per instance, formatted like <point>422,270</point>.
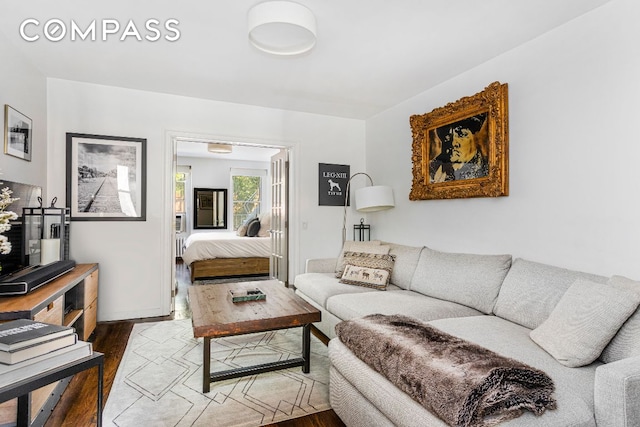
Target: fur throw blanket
<point>460,382</point>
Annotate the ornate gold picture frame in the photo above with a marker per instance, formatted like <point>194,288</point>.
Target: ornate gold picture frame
<point>462,150</point>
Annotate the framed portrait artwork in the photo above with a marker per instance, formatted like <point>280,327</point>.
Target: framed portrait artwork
<point>462,150</point>
<point>106,177</point>
<point>18,131</point>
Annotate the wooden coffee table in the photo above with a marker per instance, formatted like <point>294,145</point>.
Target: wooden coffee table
<point>215,316</point>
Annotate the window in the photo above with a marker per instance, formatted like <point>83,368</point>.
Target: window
<point>181,189</point>
<point>248,194</point>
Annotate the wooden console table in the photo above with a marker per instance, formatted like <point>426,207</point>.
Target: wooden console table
<point>70,300</point>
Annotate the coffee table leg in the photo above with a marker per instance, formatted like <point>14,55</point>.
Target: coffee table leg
<point>306,348</point>
<point>206,366</point>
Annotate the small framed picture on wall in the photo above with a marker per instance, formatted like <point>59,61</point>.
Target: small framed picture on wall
<point>332,184</point>
<point>18,130</point>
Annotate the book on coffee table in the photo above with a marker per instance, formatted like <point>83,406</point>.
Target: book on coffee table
<point>21,333</point>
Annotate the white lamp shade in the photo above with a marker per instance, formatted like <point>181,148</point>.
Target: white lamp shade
<point>374,198</point>
<point>282,27</point>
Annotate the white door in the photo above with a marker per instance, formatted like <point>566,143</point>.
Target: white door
<point>278,263</point>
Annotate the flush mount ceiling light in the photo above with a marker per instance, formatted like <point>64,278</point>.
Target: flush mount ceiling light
<point>282,28</point>
<point>219,148</point>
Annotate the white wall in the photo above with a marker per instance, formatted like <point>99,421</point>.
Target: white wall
<point>135,257</point>
<point>574,179</point>
<point>216,173</point>
<point>24,88</point>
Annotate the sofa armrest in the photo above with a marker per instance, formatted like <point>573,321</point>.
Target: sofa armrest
<point>321,265</point>
<point>617,393</point>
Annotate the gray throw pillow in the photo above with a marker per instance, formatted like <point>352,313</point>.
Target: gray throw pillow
<point>586,318</point>
<point>253,228</point>
<point>626,343</point>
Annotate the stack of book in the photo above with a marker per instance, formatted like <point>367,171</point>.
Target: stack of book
<point>28,347</point>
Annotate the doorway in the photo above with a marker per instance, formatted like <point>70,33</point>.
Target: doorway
<point>251,156</point>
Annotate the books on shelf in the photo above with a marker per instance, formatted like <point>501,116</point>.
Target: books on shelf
<point>21,333</point>
<point>38,349</point>
<point>13,373</point>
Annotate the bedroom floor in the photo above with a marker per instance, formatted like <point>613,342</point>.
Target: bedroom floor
<point>183,279</point>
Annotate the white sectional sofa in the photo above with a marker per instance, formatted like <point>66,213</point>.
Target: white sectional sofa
<point>495,302</point>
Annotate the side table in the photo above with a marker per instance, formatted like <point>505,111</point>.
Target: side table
<point>22,388</point>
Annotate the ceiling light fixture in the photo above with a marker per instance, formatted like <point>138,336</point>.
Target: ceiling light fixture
<point>219,148</point>
<point>282,28</point>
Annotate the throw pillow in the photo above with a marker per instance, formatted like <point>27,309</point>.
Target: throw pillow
<point>265,225</point>
<point>586,318</point>
<point>366,269</point>
<point>242,230</point>
<point>373,247</point>
<point>625,343</point>
<point>253,228</point>
<point>473,280</point>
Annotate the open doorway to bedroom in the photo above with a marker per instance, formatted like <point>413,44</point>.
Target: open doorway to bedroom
<point>222,195</point>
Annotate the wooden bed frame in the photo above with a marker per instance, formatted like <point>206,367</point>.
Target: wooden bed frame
<point>224,267</point>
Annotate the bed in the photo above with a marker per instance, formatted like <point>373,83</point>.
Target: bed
<point>225,254</point>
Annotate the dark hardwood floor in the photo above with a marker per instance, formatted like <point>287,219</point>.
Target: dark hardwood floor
<point>77,406</point>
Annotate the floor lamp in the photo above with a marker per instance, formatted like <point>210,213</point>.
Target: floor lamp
<point>368,199</point>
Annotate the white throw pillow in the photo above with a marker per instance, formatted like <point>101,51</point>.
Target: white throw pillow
<point>586,318</point>
<point>265,225</point>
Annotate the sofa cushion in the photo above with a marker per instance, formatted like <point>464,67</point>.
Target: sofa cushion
<point>406,261</point>
<point>583,322</point>
<point>350,306</point>
<point>370,270</point>
<point>469,279</point>
<point>626,343</point>
<point>320,286</point>
<point>531,291</point>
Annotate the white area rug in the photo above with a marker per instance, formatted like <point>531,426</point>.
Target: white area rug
<point>159,381</point>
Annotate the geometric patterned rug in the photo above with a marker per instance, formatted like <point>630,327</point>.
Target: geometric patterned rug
<point>159,381</point>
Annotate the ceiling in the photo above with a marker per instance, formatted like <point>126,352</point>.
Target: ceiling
<point>370,54</point>
<point>239,152</point>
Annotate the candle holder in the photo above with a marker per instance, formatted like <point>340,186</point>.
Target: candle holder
<point>45,235</point>
<point>362,231</point>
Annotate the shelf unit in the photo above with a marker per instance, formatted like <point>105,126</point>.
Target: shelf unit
<point>70,300</point>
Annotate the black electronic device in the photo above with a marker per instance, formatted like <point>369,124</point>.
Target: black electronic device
<point>29,278</point>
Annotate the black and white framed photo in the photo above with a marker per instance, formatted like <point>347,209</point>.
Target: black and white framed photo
<point>18,131</point>
<point>332,183</point>
<point>106,177</point>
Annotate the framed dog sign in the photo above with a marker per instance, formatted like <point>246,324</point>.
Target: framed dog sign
<point>332,184</point>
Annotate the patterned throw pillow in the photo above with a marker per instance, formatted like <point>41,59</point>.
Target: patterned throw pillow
<point>366,269</point>
<point>370,247</point>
